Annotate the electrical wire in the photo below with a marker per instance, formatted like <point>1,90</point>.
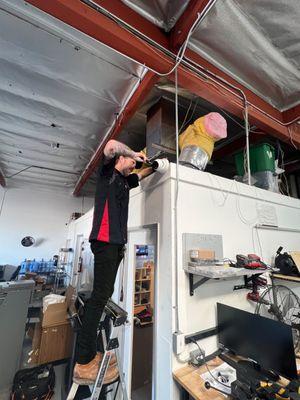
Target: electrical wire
<point>177,322</point>
<point>36,166</point>
<point>186,61</point>
<point>2,201</point>
<point>131,29</point>
<point>184,124</point>
<point>202,355</point>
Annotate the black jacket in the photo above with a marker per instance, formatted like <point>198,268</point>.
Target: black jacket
<point>111,204</point>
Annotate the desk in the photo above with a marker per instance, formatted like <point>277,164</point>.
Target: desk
<point>192,384</point>
<point>286,277</point>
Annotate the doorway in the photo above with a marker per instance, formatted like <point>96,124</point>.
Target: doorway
<point>143,320</point>
<point>139,340</point>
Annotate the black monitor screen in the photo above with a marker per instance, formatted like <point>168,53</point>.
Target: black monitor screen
<point>268,342</point>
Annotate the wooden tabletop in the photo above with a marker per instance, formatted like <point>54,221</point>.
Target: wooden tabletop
<point>189,378</point>
<point>287,277</point>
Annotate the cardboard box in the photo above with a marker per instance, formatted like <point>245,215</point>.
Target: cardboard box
<point>57,314</point>
<point>202,254</point>
<point>52,343</point>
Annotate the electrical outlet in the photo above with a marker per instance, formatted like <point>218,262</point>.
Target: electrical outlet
<point>196,357</point>
<point>178,342</point>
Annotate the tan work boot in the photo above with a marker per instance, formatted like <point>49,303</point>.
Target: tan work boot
<point>112,361</point>
<point>112,372</point>
<point>86,374</point>
<point>111,375</point>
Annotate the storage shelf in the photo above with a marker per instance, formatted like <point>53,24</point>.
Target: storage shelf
<point>145,323</point>
<point>215,272</point>
<point>141,304</point>
<point>142,280</point>
<point>286,277</point>
<point>143,291</point>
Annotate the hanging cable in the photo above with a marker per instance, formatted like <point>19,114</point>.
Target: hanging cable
<point>177,324</point>
<point>247,143</point>
<point>184,60</point>
<point>182,49</point>
<point>2,201</point>
<point>38,167</point>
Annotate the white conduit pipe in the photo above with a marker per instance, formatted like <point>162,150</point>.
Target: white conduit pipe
<point>177,322</point>
<point>185,61</point>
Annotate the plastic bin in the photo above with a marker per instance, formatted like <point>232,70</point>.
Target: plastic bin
<point>262,158</point>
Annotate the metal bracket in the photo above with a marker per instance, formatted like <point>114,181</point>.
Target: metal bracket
<point>193,285</point>
<point>201,335</point>
<point>113,344</point>
<point>248,282</point>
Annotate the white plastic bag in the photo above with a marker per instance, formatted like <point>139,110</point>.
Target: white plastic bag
<point>52,299</point>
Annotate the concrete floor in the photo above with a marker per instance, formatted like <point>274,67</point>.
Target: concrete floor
<point>143,393</point>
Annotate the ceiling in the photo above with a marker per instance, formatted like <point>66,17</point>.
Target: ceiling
<point>163,13</point>
<point>256,42</point>
<point>61,91</point>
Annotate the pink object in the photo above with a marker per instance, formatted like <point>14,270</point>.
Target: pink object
<point>215,125</point>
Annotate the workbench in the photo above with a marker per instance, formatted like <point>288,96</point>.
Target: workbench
<point>192,384</point>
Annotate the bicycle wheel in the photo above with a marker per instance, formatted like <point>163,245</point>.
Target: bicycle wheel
<point>280,303</point>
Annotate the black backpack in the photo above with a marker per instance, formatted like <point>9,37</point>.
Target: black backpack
<point>285,263</point>
<point>34,383</point>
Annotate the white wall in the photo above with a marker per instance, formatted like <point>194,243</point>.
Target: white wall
<point>43,215</point>
<point>206,204</point>
<point>209,204</point>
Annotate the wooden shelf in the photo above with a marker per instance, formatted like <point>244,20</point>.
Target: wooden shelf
<point>142,304</point>
<point>145,323</point>
<point>143,291</point>
<point>286,277</point>
<point>142,280</point>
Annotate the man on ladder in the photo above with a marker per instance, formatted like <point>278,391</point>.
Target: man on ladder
<point>108,237</point>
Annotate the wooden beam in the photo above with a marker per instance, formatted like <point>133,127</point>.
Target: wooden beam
<point>134,102</point>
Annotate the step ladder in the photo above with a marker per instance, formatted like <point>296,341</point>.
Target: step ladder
<point>117,317</point>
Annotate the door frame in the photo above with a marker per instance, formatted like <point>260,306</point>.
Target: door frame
<point>128,303</point>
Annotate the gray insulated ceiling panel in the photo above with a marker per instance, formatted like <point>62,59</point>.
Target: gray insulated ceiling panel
<point>60,92</point>
<point>258,43</point>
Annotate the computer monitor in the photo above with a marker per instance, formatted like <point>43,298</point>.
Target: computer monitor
<point>265,341</point>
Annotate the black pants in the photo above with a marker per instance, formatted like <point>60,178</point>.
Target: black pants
<point>107,258</point>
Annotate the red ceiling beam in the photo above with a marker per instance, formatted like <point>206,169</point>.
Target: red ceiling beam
<point>135,20</point>
<point>100,27</point>
<point>230,102</point>
<point>94,24</point>
<point>137,98</point>
<point>107,31</point>
<point>182,27</point>
<point>293,114</point>
<point>251,97</point>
